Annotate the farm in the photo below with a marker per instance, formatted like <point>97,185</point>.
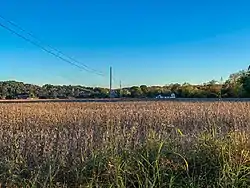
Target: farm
<point>125,144</point>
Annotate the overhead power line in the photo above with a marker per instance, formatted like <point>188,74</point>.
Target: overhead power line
<point>72,61</point>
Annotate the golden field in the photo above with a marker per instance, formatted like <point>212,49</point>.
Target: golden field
<point>125,144</point>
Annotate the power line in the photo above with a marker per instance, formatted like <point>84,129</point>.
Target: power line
<point>74,63</point>
<point>58,51</point>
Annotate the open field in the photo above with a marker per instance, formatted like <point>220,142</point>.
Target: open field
<point>132,144</point>
<point>125,100</point>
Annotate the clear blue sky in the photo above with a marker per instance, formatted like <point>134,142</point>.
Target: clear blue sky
<point>147,42</point>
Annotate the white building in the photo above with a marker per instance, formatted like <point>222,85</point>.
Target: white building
<point>172,96</point>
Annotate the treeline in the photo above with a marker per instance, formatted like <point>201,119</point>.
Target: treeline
<point>236,86</point>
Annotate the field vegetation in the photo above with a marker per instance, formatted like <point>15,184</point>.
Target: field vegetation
<point>131,144</point>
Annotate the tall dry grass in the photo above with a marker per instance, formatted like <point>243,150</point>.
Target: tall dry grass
<point>133,144</point>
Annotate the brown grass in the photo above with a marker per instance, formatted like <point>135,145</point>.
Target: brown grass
<point>132,144</point>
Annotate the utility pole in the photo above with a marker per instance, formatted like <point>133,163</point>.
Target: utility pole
<point>221,83</point>
<point>110,82</point>
<point>120,89</point>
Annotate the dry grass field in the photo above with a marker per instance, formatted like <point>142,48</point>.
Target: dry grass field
<point>132,144</point>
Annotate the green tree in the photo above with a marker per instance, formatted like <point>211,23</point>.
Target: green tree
<point>245,81</point>
<point>136,92</point>
<point>144,90</point>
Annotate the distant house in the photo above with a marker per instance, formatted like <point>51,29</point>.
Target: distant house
<point>23,96</point>
<point>159,97</point>
<point>172,96</point>
<point>113,94</point>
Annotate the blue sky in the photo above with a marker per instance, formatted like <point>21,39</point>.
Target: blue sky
<point>147,42</point>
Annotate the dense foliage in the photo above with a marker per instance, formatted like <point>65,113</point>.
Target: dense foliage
<point>238,85</point>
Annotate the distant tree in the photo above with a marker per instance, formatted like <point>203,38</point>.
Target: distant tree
<point>212,83</point>
<point>126,92</point>
<point>144,90</point>
<point>185,91</point>
<point>136,92</point>
<point>245,81</point>
<point>237,85</point>
<point>32,95</point>
<point>213,89</point>
<point>176,88</point>
<point>232,87</point>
